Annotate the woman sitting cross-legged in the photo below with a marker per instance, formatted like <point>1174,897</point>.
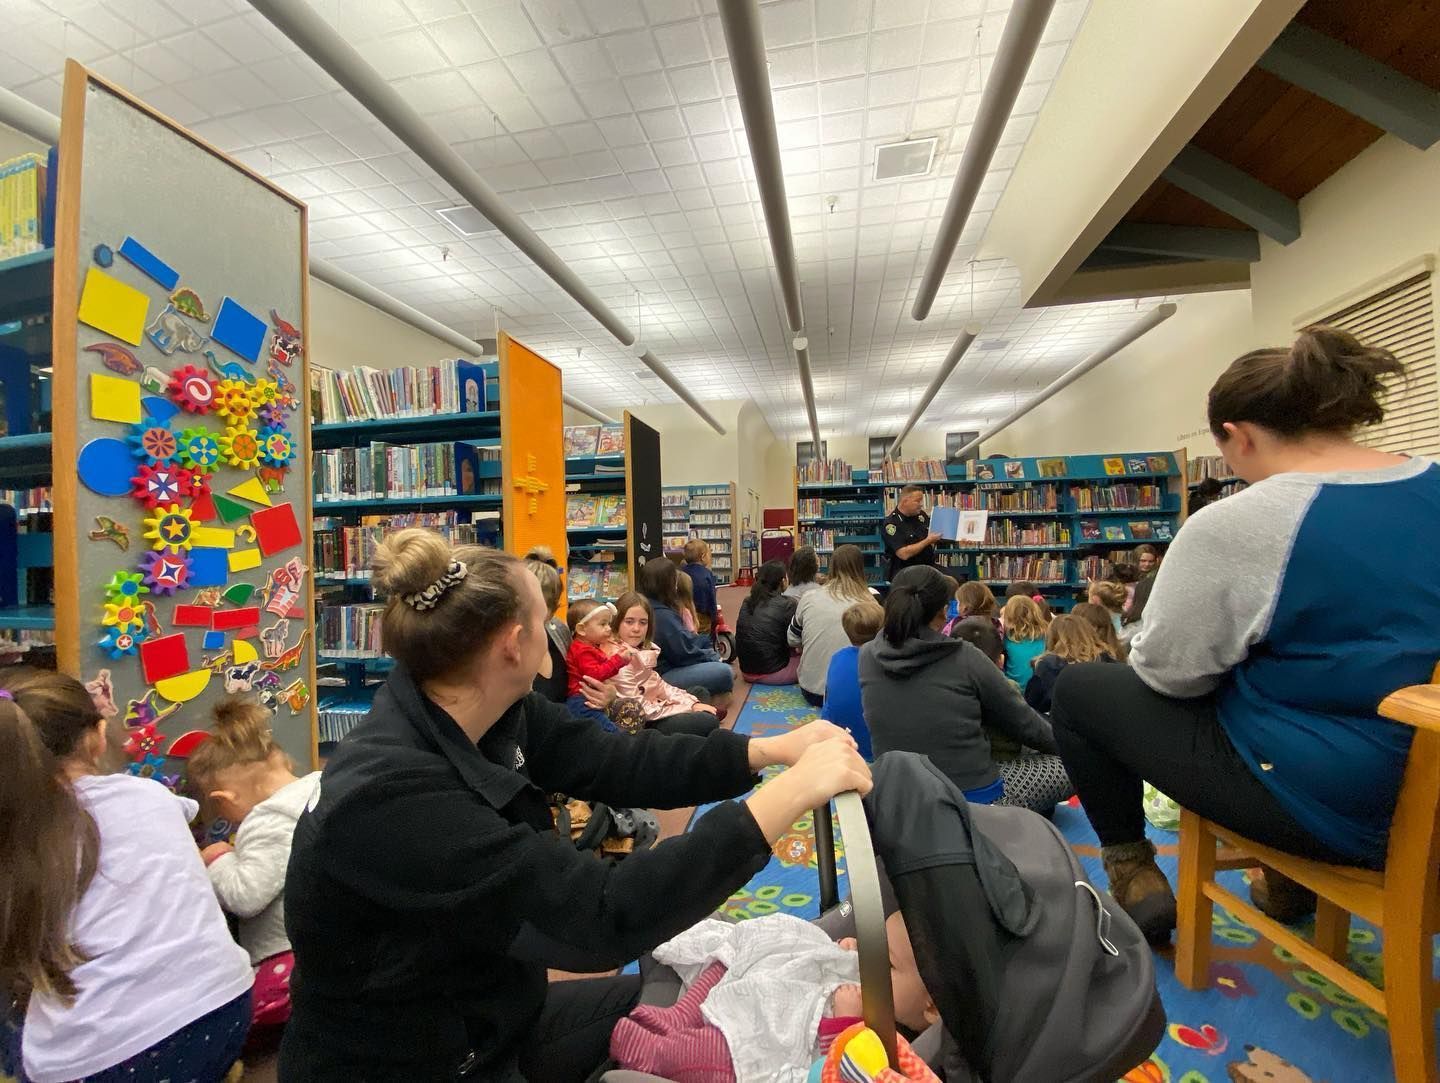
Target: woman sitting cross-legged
<point>1250,696</point>
<point>924,692</point>
<point>765,655</point>
<point>687,659</point>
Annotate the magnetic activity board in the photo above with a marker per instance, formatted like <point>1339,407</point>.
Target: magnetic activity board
<point>181,431</point>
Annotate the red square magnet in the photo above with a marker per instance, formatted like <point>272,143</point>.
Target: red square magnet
<point>192,616</point>
<point>164,657</point>
<point>225,620</point>
<point>275,528</point>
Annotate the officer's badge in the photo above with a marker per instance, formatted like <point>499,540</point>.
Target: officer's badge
<point>889,528</point>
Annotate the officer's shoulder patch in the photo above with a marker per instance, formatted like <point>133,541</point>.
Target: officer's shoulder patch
<point>889,528</point>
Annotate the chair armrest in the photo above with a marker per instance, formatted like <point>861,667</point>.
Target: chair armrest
<point>1417,706</point>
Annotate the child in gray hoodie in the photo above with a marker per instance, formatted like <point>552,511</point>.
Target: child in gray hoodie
<point>924,692</point>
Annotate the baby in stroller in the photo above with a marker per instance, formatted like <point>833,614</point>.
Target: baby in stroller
<point>762,999</point>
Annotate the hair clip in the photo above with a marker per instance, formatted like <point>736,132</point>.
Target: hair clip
<point>6,694</point>
<point>429,598</point>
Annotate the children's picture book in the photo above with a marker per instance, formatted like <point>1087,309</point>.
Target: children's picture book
<point>1051,468</point>
<point>472,387</point>
<point>1114,466</point>
<point>618,514</point>
<point>1115,533</point>
<point>1159,464</point>
<point>1139,466</point>
<point>579,511</point>
<point>1014,468</point>
<point>580,441</point>
<point>1089,530</point>
<point>1141,530</point>
<point>610,510</point>
<point>617,581</point>
<point>467,468</point>
<point>984,471</point>
<point>967,527</point>
<point>612,440</point>
<point>583,581</point>
<point>1162,530</point>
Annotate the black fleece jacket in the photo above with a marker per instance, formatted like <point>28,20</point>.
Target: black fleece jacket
<point>935,696</point>
<point>428,891</point>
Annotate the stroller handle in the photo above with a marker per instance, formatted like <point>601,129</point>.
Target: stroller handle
<point>876,993</point>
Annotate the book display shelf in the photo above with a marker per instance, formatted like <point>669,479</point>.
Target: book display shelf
<point>708,512</point>
<point>1202,467</point>
<point>1054,521</point>
<point>411,446</point>
<point>613,506</point>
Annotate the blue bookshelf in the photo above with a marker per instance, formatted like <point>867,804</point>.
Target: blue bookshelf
<point>1151,485</point>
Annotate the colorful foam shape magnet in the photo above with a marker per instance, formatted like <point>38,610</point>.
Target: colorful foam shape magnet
<point>208,567</point>
<point>238,330</point>
<point>113,398</point>
<point>224,620</point>
<point>253,632</point>
<point>244,651</point>
<point>106,465</point>
<point>276,529</point>
<point>165,656</point>
<point>109,305</point>
<point>239,594</point>
<point>230,511</point>
<point>150,263</point>
<point>158,408</point>
<point>202,508</point>
<point>187,743</point>
<point>254,491</point>
<point>213,641</point>
<point>191,616</point>
<point>244,560</point>
<point>185,687</point>
<point>213,537</point>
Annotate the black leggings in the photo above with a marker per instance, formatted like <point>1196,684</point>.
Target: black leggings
<point>1115,731</point>
<point>571,1039</point>
<point>697,723</point>
<point>816,701</point>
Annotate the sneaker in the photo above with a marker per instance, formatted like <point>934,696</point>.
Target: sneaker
<point>1280,897</point>
<point>1142,891</point>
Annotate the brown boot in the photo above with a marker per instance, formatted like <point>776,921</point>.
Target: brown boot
<point>1280,897</point>
<point>1142,891</point>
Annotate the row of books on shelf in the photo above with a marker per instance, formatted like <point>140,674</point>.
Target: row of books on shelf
<point>348,549</point>
<point>29,500</point>
<point>450,468</point>
<point>338,714</point>
<point>17,643</point>
<point>1160,530</point>
<point>709,519</point>
<point>915,470</point>
<point>1018,532</point>
<point>365,394</point>
<point>23,205</point>
<point>836,471</point>
<point>1200,467</point>
<point>675,499</point>
<point>1121,497</point>
<point>594,579</point>
<point>1034,568</point>
<point>594,510</point>
<point>1059,467</point>
<point>1103,566</point>
<point>589,441</point>
<point>710,503</point>
<point>350,631</point>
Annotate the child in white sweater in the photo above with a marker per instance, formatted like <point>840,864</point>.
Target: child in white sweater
<point>249,779</point>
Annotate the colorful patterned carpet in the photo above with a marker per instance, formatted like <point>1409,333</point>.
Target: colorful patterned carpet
<point>1264,1018</point>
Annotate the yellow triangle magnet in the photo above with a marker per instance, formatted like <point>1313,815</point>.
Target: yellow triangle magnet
<point>253,491</point>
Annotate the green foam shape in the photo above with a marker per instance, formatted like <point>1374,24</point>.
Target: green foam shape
<point>230,511</point>
<point>239,594</point>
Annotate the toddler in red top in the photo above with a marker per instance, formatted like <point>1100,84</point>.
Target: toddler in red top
<point>594,652</point>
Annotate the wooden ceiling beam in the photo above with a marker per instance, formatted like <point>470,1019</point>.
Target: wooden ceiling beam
<point>1183,242</point>
<point>1236,193</point>
<point>1357,83</point>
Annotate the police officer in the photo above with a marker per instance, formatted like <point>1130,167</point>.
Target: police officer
<point>908,537</point>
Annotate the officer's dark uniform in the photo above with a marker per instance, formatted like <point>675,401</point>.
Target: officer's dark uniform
<point>900,531</point>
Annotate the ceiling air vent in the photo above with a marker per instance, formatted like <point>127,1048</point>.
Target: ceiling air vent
<point>994,344</point>
<point>466,221</point>
<point>644,374</point>
<point>912,158</point>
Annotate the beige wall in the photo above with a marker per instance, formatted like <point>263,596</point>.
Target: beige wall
<point>345,332</point>
<point>1365,225</point>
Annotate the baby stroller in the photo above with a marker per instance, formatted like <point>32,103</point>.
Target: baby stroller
<point>1038,977</point>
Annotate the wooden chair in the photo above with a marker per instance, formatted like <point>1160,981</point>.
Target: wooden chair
<point>1403,900</point>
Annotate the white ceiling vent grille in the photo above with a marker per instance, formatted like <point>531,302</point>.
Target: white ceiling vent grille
<point>466,221</point>
<point>912,158</point>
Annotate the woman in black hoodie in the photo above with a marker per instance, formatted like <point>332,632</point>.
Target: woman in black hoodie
<point>760,641</point>
<point>926,693</point>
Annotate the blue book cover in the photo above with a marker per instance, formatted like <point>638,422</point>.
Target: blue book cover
<point>945,522</point>
<point>471,378</point>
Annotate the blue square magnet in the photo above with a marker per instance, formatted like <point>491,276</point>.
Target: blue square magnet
<point>239,330</point>
<point>209,566</point>
<point>213,641</point>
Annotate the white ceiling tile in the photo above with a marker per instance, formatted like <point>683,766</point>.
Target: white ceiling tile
<point>694,84</point>
<point>787,22</point>
<point>705,117</point>
<point>604,99</point>
<point>842,95</point>
<point>683,43</point>
<point>633,52</point>
<point>650,91</point>
<point>558,107</point>
<point>834,18</point>
<point>558,21</point>
<point>506,25</point>
<point>674,151</point>
<point>892,87</point>
<point>663,124</point>
<point>621,131</point>
<point>712,147</point>
<point>609,16</point>
<point>895,48</point>
<point>666,11</point>
<point>887,122</point>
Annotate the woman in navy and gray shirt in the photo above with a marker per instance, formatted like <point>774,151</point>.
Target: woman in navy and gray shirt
<point>687,659</point>
<point>1251,692</point>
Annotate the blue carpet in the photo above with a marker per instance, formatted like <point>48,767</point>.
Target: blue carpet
<point>1264,1017</point>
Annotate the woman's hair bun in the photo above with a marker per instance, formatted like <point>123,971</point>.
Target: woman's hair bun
<point>409,560</point>
<point>1339,377</point>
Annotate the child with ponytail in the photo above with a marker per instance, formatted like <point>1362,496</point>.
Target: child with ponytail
<point>112,946</point>
<point>1024,625</point>
<point>927,693</point>
<point>250,780</point>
